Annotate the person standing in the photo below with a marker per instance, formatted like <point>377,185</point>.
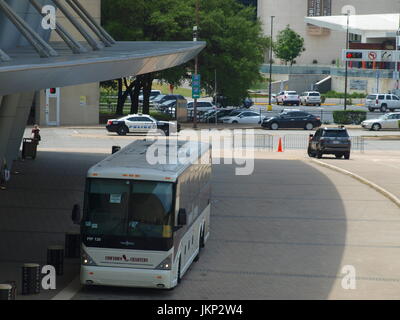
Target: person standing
<point>36,134</point>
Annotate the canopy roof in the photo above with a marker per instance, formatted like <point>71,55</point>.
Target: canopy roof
<point>368,26</point>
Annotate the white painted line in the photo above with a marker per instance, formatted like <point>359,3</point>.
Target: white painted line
<point>377,188</point>
<point>70,291</point>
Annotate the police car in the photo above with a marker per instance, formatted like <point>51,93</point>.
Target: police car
<point>139,123</point>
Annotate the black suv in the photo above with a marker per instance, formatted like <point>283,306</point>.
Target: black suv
<point>330,141</point>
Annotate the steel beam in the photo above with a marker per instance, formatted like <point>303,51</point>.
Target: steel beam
<point>89,23</point>
<point>4,56</point>
<point>74,45</point>
<point>91,41</point>
<point>41,46</point>
<point>98,26</point>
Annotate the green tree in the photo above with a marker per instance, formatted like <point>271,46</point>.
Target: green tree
<point>288,45</point>
<point>235,48</point>
<point>235,44</point>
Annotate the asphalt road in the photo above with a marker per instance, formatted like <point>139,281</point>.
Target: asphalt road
<point>287,232</point>
<point>284,232</point>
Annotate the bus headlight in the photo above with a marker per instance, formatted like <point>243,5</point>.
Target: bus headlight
<point>87,260</point>
<point>166,264</point>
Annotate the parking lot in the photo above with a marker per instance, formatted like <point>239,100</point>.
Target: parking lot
<point>284,232</point>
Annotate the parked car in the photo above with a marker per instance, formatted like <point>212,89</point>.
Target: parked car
<point>139,123</point>
<point>213,116</point>
<point>242,117</point>
<point>247,103</point>
<point>167,106</point>
<point>310,98</point>
<point>292,120</point>
<point>156,100</point>
<point>334,141</point>
<point>386,121</point>
<point>201,106</point>
<point>153,94</point>
<point>382,102</point>
<point>288,98</point>
<point>169,97</point>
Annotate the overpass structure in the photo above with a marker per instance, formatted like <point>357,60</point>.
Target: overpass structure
<point>30,62</point>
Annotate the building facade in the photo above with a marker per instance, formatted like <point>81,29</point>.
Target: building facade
<point>77,105</point>
<point>323,46</point>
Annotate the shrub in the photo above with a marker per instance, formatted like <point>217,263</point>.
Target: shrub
<point>160,116</point>
<point>349,116</point>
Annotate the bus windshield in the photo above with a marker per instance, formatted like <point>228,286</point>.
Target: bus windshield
<point>126,208</point>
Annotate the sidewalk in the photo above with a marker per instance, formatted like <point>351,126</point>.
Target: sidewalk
<point>381,168</point>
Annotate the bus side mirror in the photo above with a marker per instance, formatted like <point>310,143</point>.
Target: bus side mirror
<point>182,217</point>
<point>76,214</point>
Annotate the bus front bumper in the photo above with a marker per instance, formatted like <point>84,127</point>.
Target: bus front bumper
<point>126,277</point>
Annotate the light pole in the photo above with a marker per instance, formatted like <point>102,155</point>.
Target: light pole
<point>347,47</point>
<point>270,64</point>
<point>195,37</point>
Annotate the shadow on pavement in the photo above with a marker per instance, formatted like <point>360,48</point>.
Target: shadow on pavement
<point>277,234</point>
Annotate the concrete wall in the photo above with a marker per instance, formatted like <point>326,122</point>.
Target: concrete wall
<point>71,111</point>
<point>385,85</point>
<point>323,48</point>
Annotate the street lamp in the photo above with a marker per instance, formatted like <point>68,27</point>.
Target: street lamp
<point>347,47</point>
<point>270,62</point>
<point>195,38</point>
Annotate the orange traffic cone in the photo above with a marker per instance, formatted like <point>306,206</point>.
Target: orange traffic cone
<point>280,148</point>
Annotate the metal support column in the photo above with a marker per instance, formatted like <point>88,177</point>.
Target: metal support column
<point>99,28</point>
<point>91,41</point>
<point>41,46</point>
<point>74,45</point>
<point>18,126</point>
<point>3,56</point>
<point>8,112</point>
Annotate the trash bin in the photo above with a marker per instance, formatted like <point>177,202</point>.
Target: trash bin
<point>73,245</point>
<point>13,285</point>
<point>55,258</point>
<point>5,292</point>
<point>29,148</point>
<point>115,149</point>
<point>30,278</point>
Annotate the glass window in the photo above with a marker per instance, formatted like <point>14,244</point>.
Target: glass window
<point>314,94</point>
<point>107,205</point>
<point>150,209</point>
<point>388,97</point>
<point>129,208</point>
<point>134,119</point>
<point>371,97</point>
<point>381,97</point>
<point>395,97</point>
<point>335,133</point>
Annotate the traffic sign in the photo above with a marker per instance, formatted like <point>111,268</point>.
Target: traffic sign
<point>371,55</point>
<point>196,86</point>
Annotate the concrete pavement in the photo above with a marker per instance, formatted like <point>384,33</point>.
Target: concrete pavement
<point>381,168</point>
<point>285,232</point>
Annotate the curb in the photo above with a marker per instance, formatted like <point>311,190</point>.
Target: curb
<point>372,185</point>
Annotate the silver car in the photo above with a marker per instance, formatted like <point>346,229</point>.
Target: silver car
<point>387,121</point>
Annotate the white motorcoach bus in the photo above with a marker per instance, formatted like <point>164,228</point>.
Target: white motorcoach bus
<point>143,225</point>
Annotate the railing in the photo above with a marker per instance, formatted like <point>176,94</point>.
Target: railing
<point>297,141</point>
<point>264,142</point>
